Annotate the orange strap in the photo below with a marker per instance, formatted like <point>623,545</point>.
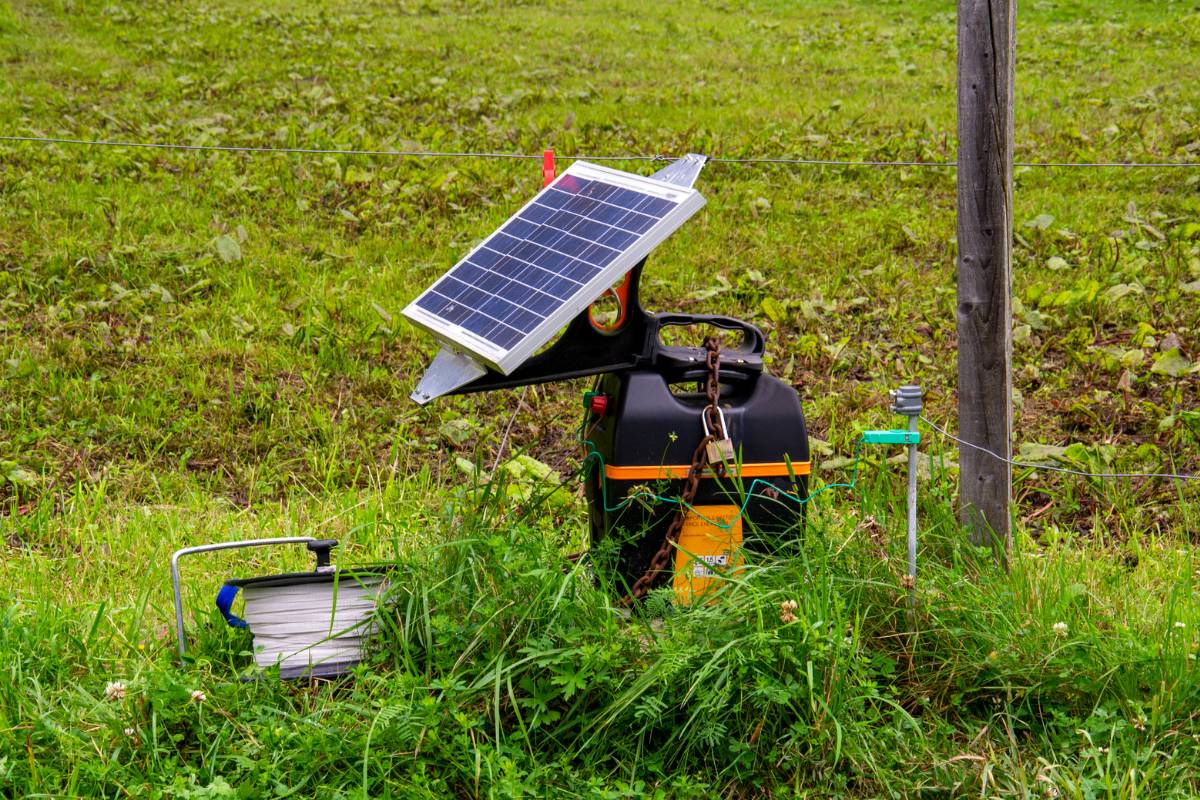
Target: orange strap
<point>774,469</point>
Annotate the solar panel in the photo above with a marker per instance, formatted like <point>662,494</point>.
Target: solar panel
<point>549,261</point>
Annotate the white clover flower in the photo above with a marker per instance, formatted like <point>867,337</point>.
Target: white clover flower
<point>129,732</point>
<point>114,690</point>
<point>1060,629</point>
<point>198,696</point>
<point>1180,624</point>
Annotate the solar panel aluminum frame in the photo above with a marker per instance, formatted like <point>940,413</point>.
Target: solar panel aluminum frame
<point>688,202</point>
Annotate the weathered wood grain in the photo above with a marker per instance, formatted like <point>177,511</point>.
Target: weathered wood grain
<point>986,47</point>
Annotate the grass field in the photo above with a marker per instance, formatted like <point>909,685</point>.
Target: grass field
<point>205,346</point>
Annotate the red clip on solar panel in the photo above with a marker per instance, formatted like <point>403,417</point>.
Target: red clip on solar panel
<point>547,168</point>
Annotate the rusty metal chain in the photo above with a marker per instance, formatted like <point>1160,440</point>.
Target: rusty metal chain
<point>716,428</point>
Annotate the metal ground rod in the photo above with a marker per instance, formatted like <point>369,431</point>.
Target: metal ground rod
<point>906,401</point>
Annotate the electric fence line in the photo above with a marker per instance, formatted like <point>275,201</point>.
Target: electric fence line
<point>223,148</point>
<point>1027,465</point>
<point>47,140</point>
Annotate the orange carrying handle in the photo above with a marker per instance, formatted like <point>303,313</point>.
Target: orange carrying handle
<point>621,293</point>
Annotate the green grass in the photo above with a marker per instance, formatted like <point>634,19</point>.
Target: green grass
<point>504,670</point>
<point>199,347</point>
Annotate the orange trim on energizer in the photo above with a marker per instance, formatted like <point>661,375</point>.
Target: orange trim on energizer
<point>772,469</point>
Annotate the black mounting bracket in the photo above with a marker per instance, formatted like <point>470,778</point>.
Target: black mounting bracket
<point>584,349</point>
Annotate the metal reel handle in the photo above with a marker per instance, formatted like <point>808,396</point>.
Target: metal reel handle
<point>205,548</point>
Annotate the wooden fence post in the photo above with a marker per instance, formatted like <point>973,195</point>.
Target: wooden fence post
<point>986,45</point>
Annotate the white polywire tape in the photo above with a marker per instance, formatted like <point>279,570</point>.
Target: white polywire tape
<point>305,625</point>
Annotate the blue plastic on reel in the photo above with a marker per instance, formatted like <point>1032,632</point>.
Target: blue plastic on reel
<point>225,598</point>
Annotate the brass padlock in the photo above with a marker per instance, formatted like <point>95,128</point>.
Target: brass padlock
<point>719,450</point>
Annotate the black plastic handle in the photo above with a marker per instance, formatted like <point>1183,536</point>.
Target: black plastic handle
<point>682,364</point>
<point>321,548</point>
<point>753,343</point>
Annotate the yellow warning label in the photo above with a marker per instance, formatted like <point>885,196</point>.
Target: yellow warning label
<point>710,546</point>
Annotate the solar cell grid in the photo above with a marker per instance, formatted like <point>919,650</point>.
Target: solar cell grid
<point>551,255</point>
<point>557,247</point>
